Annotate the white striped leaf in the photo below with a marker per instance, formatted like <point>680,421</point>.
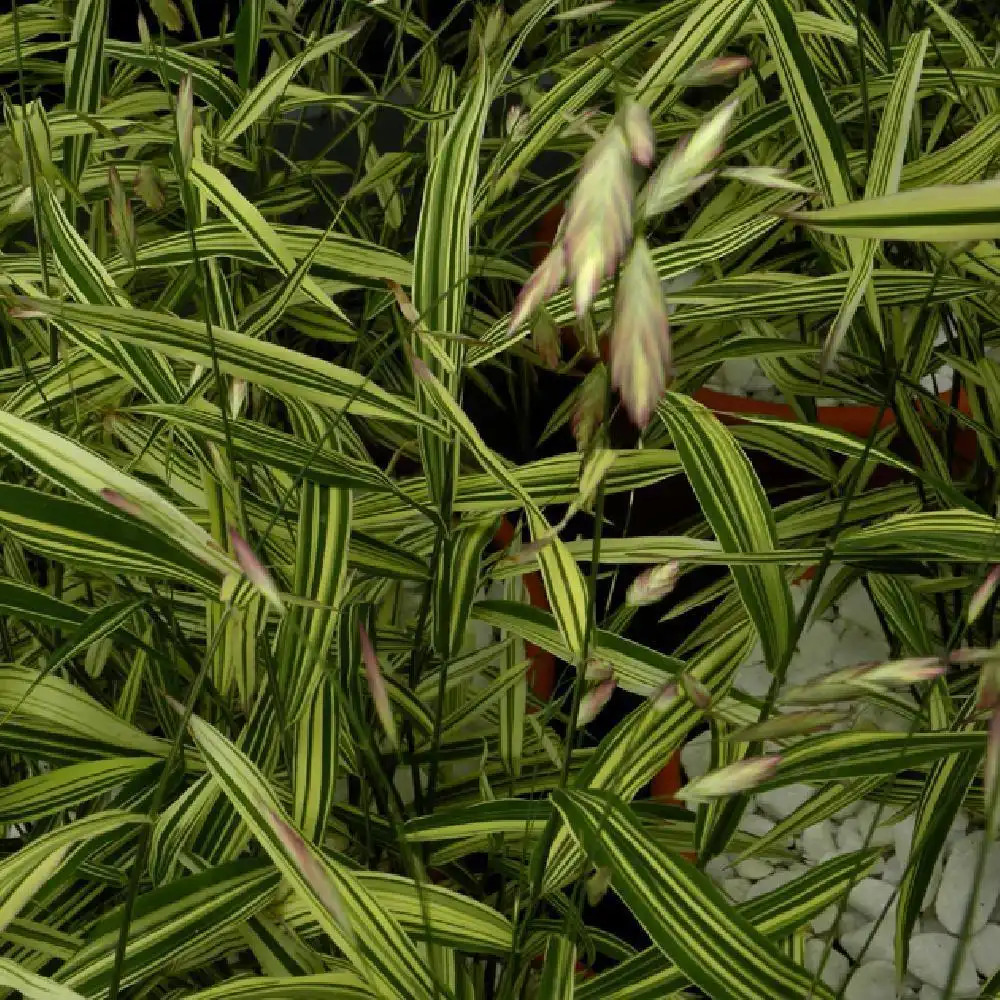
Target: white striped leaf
<point>375,943</point>
<point>734,504</point>
<point>688,918</point>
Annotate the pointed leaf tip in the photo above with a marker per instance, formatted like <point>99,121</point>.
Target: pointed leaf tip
<point>254,569</point>
<point>982,595</point>
<point>376,686</point>
<point>123,503</point>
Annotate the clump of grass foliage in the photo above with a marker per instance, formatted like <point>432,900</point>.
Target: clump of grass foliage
<point>267,727</point>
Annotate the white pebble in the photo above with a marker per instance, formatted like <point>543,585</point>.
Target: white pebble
<point>754,679</point>
<point>849,810</point>
<point>856,607</point>
<point>928,992</point>
<point>696,756</point>
<point>881,948</point>
<point>849,837</point>
<point>814,653</point>
<point>835,968</point>
<point>718,868</point>
<point>850,922</point>
<point>902,833</point>
<point>956,888</point>
<point>736,889</point>
<point>893,871</point>
<point>755,824</point>
<point>737,373</point>
<point>772,882</point>
<point>930,960</point>
<point>824,920</point>
<point>874,981</point>
<point>871,897</point>
<point>986,950</point>
<point>932,925</point>
<point>817,840</point>
<point>780,803</point>
<point>958,827</point>
<point>754,869</point>
<point>856,646</point>
<point>881,835</point>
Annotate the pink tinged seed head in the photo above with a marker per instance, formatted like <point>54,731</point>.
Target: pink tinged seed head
<point>309,868</point>
<point>24,312</point>
<point>989,686</point>
<point>123,503</point>
<point>731,780</point>
<point>652,585</point>
<point>639,132</point>
<point>711,71</point>
<point>597,885</point>
<point>254,569</point>
<point>790,724</point>
<point>640,336</point>
<point>665,697</point>
<point>697,693</point>
<point>403,301</point>
<point>376,687</point>
<point>897,673</point>
<point>420,369</point>
<point>599,217</point>
<point>597,669</point>
<point>514,113</point>
<point>594,700</point>
<point>970,655</point>
<point>983,594</point>
<point>541,285</point>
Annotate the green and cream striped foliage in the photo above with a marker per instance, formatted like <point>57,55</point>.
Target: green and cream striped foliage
<point>303,582</point>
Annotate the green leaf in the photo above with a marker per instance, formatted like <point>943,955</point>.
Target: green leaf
<point>249,23</point>
<point>279,368</point>
<point>834,756</point>
<point>248,219</point>
<point>168,923</point>
<point>734,504</point>
<point>883,178</point>
<point>263,96</point>
<point>83,72</point>
<point>372,940</point>
<point>31,986</point>
<point>637,668</point>
<point>455,584</point>
<point>66,787</point>
<point>441,263</point>
<point>78,534</point>
<point>558,969</point>
<point>650,976</point>
<point>949,213</point>
<point>687,917</point>
<point>804,92</point>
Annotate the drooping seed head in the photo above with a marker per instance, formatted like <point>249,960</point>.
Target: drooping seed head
<point>730,780</point>
<point>653,584</point>
<point>594,700</point>
<point>640,337</point>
